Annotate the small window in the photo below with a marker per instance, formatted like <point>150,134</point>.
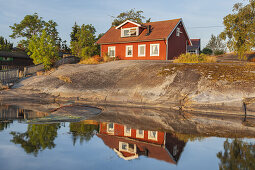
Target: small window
<point>141,50</point>
<point>127,147</point>
<point>154,49</point>
<point>127,131</point>
<point>129,32</point>
<point>140,133</point>
<point>153,135</point>
<point>178,32</point>
<point>129,51</point>
<point>111,51</point>
<point>110,127</point>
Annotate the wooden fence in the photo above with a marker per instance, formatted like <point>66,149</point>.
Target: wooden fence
<point>10,76</point>
<point>32,69</point>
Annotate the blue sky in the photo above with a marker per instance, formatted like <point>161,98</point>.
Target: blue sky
<point>195,13</point>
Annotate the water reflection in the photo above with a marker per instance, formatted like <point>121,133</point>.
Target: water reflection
<point>237,155</point>
<point>37,138</point>
<point>9,113</point>
<point>130,143</point>
<point>84,130</point>
<point>127,141</point>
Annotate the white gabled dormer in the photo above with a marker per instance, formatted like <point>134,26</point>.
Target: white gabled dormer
<point>131,31</point>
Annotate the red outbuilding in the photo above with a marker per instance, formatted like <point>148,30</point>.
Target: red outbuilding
<point>162,40</point>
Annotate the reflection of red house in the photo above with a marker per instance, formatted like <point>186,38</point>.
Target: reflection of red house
<point>130,143</point>
<point>162,40</point>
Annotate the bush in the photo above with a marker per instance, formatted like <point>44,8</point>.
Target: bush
<point>207,51</point>
<point>219,52</point>
<point>98,59</point>
<point>194,58</point>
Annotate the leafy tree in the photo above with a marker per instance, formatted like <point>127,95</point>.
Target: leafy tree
<point>83,131</point>
<point>32,25</point>
<point>38,137</point>
<point>216,44</point>
<point>237,155</point>
<point>207,51</point>
<point>43,50</point>
<point>85,46</point>
<point>239,29</point>
<point>74,32</point>
<point>132,15</point>
<point>5,45</point>
<point>64,47</point>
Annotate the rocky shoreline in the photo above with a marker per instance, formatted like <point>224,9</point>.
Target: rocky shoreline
<point>210,92</point>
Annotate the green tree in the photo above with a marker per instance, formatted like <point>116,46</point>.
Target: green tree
<point>83,131</point>
<point>216,44</point>
<point>32,25</point>
<point>43,49</point>
<point>239,29</point>
<point>237,155</point>
<point>207,51</point>
<point>38,137</point>
<point>5,45</point>
<point>132,15</point>
<point>85,46</point>
<point>75,29</point>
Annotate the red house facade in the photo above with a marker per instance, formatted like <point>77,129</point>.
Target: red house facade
<point>162,40</point>
<point>130,143</point>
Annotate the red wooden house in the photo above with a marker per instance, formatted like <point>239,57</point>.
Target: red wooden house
<point>162,40</point>
<point>129,143</point>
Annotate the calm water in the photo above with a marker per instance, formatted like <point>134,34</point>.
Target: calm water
<point>107,145</point>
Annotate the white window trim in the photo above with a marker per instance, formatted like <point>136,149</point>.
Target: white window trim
<point>127,150</point>
<point>108,129</point>
<point>109,51</point>
<point>152,138</point>
<point>125,133</point>
<point>139,135</point>
<point>127,51</point>
<point>151,50</point>
<point>122,31</point>
<point>139,52</point>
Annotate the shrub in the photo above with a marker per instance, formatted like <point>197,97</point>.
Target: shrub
<point>194,58</point>
<point>89,61</point>
<point>98,58</point>
<point>207,51</point>
<point>219,52</point>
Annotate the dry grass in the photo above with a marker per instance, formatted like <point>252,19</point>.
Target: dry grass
<point>241,73</point>
<point>194,58</point>
<point>98,59</point>
<point>65,79</point>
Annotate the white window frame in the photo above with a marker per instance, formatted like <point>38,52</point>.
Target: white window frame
<point>110,130</point>
<point>127,149</point>
<point>122,31</point>
<point>139,135</point>
<point>151,137</point>
<point>127,133</point>
<point>111,47</point>
<point>151,50</point>
<point>127,46</point>
<point>139,52</point>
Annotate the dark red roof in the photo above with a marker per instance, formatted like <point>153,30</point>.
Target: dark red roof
<point>154,151</point>
<point>159,31</point>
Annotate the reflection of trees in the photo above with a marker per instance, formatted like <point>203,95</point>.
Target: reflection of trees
<point>37,138</point>
<point>4,125</point>
<point>237,155</point>
<point>83,131</point>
